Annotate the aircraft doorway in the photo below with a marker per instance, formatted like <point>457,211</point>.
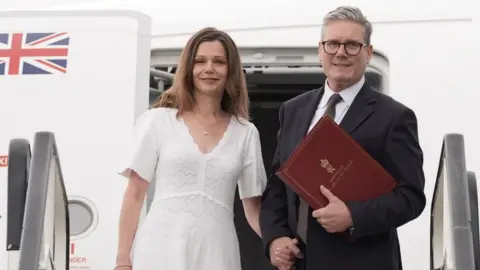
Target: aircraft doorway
<point>273,75</point>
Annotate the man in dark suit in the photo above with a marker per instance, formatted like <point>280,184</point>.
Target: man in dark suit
<point>385,128</point>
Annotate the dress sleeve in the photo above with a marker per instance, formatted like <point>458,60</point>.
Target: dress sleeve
<point>142,151</point>
<point>253,177</point>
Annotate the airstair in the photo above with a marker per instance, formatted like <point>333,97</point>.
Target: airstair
<point>37,202</point>
<point>38,234</point>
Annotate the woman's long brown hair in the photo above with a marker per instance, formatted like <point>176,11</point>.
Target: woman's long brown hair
<point>180,95</point>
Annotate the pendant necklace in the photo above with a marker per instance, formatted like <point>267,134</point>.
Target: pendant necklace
<point>205,133</point>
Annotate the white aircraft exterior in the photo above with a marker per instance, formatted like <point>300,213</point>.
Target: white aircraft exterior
<point>426,57</point>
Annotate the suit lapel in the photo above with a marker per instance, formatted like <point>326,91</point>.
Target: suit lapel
<point>360,110</point>
<point>305,115</point>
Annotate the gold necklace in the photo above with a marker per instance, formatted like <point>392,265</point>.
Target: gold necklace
<point>205,132</point>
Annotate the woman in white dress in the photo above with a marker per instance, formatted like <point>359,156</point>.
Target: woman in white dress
<point>198,144</point>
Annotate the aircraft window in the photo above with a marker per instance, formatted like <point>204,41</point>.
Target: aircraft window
<point>83,217</point>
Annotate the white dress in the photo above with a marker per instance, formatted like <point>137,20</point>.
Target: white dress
<point>190,223</point>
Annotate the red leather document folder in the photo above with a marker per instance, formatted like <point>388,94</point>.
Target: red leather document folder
<point>330,157</point>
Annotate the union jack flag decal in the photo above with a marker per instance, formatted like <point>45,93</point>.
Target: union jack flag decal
<point>33,53</point>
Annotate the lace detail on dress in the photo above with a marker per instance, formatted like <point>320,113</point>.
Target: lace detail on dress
<point>180,171</point>
<point>198,186</point>
<point>221,178</point>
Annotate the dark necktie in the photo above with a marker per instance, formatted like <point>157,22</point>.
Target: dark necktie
<point>303,209</point>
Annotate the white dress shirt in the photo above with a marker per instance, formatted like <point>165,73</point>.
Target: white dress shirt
<point>348,95</point>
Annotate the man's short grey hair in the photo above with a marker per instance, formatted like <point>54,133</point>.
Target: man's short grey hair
<point>352,14</point>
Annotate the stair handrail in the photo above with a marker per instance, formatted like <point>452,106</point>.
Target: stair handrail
<point>46,188</point>
<point>19,157</point>
<point>452,176</point>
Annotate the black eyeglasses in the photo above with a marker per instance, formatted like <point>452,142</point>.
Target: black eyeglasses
<point>351,47</point>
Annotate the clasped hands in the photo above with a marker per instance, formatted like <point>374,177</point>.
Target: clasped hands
<point>335,217</point>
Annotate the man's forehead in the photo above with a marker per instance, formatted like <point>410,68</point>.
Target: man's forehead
<point>343,31</point>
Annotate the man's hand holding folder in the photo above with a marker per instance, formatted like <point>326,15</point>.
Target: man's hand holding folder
<point>335,217</point>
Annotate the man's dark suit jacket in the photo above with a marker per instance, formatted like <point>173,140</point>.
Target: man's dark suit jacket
<point>388,132</point>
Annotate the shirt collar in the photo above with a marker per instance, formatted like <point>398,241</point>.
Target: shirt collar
<point>348,94</point>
